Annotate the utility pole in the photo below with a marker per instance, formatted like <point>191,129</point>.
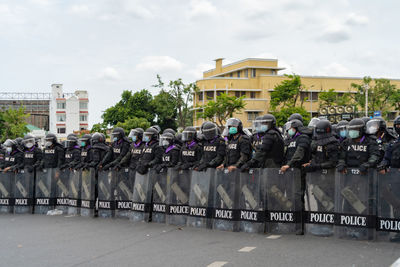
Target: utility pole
<point>366,87</point>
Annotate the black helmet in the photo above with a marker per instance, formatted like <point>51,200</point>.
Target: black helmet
<point>365,119</point>
<point>117,134</point>
<point>85,140</point>
<point>71,141</point>
<point>374,125</point>
<point>263,123</point>
<point>234,122</point>
<point>396,124</point>
<point>313,123</point>
<point>189,134</point>
<point>295,123</point>
<point>209,130</point>
<point>356,128</point>
<point>50,139</point>
<point>169,130</point>
<point>71,134</point>
<point>178,139</point>
<point>157,128</point>
<point>10,145</point>
<point>97,138</point>
<point>136,134</point>
<point>323,128</point>
<point>19,141</point>
<point>166,139</point>
<point>150,134</point>
<point>29,141</point>
<point>296,116</point>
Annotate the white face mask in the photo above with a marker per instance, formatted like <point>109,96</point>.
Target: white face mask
<point>9,149</point>
<point>29,145</point>
<point>165,143</point>
<point>48,144</point>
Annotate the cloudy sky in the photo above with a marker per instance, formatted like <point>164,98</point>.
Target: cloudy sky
<point>106,47</point>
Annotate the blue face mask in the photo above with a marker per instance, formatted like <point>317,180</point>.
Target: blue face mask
<point>146,139</point>
<point>83,144</point>
<point>263,128</point>
<point>115,139</point>
<point>291,132</point>
<point>233,130</point>
<point>134,138</point>
<point>353,134</point>
<point>343,133</point>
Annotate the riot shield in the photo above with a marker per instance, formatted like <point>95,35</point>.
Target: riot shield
<point>226,200</point>
<point>178,196</point>
<point>251,202</point>
<point>45,190</point>
<point>320,202</point>
<point>355,205</point>
<point>284,201</point>
<point>201,198</point>
<point>388,204</point>
<point>6,194</point>
<point>23,192</point>
<point>74,194</point>
<point>106,200</point>
<point>62,192</point>
<point>141,198</point>
<point>123,201</point>
<point>87,192</point>
<point>160,181</point>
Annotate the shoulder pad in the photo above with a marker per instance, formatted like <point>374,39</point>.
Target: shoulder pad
<point>245,137</point>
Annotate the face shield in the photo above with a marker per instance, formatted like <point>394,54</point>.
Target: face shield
<point>261,126</point>
<point>133,135</point>
<point>115,136</point>
<point>372,127</point>
<point>211,133</point>
<point>165,141</point>
<point>147,136</point>
<point>29,143</point>
<point>313,122</point>
<point>188,136</point>
<point>8,145</point>
<point>354,132</point>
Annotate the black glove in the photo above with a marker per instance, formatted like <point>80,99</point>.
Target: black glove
<point>340,167</point>
<point>186,166</point>
<point>106,167</point>
<point>158,168</point>
<point>30,169</point>
<point>202,167</point>
<point>142,169</point>
<point>117,167</point>
<point>310,168</point>
<point>364,168</point>
<point>245,167</point>
<point>178,167</point>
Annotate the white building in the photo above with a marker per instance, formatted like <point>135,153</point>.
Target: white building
<point>68,111</point>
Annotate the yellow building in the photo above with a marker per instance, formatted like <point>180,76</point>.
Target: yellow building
<point>255,78</point>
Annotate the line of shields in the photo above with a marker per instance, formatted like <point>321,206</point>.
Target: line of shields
<point>325,203</point>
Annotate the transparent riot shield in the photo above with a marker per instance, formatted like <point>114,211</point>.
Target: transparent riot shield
<point>23,192</point>
<point>74,192</point>
<point>284,201</point>
<point>226,200</point>
<point>320,202</point>
<point>87,192</point>
<point>6,194</point>
<point>251,202</point>
<point>123,199</point>
<point>201,199</point>
<point>178,196</point>
<point>62,191</point>
<point>388,206</point>
<point>45,190</point>
<point>106,199</point>
<point>160,181</point>
<point>355,205</point>
<point>141,198</point>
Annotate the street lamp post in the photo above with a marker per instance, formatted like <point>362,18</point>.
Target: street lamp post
<point>366,87</point>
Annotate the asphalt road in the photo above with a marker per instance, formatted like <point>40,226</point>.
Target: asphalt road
<point>38,240</point>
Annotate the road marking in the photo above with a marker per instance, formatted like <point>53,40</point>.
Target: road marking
<point>217,264</point>
<point>396,263</point>
<point>246,249</point>
<point>273,236</point>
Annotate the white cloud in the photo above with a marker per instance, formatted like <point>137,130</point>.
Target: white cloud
<point>201,8</point>
<point>335,33</point>
<point>41,2</point>
<point>159,63</point>
<point>79,10</point>
<point>334,69</point>
<point>109,74</point>
<point>12,15</point>
<point>137,9</point>
<point>355,20</point>
<point>197,71</point>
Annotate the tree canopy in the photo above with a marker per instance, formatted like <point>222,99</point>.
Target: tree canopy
<point>13,123</point>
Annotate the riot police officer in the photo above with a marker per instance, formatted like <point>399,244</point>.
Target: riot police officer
<point>341,130</point>
<point>53,154</point>
<point>270,152</point>
<point>32,154</point>
<point>72,153</point>
<point>14,158</point>
<point>392,155</point>
<point>170,157</point>
<point>324,148</point>
<point>101,153</point>
<point>152,152</point>
<point>359,150</point>
<point>190,154</point>
<point>214,147</point>
<point>120,147</point>
<point>2,155</point>
<point>377,127</point>
<point>238,147</point>
<point>297,146</point>
<point>296,116</point>
<point>132,157</point>
<point>86,151</point>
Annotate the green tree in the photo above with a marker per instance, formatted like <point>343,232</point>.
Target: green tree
<point>287,93</point>
<point>222,108</point>
<point>283,115</point>
<point>13,123</point>
<point>164,108</point>
<point>99,128</point>
<point>333,98</point>
<point>132,123</point>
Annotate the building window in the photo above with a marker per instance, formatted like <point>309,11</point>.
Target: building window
<point>314,96</point>
<point>61,105</point>
<point>83,128</point>
<point>238,74</point>
<point>210,94</point>
<point>273,72</point>
<point>220,93</point>
<point>82,117</point>
<point>246,73</point>
<point>201,96</point>
<point>83,105</point>
<point>231,75</point>
<point>251,115</point>
<point>253,73</point>
<point>61,117</point>
<point>309,96</point>
<point>61,130</point>
<point>240,93</point>
<point>252,94</point>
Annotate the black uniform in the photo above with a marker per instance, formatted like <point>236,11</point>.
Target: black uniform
<point>169,159</point>
<point>238,150</point>
<point>85,158</point>
<point>325,153</point>
<point>132,157</point>
<point>53,157</point>
<point>2,155</point>
<point>72,157</point>
<point>190,155</point>
<point>151,156</point>
<point>392,155</point>
<point>297,150</point>
<point>120,149</point>
<point>213,153</point>
<point>101,155</point>
<point>14,160</point>
<point>32,158</point>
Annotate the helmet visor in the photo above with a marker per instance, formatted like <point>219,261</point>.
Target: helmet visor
<point>372,127</point>
<point>188,135</point>
<point>29,142</point>
<point>261,126</point>
<point>165,140</point>
<point>211,133</point>
<point>232,122</point>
